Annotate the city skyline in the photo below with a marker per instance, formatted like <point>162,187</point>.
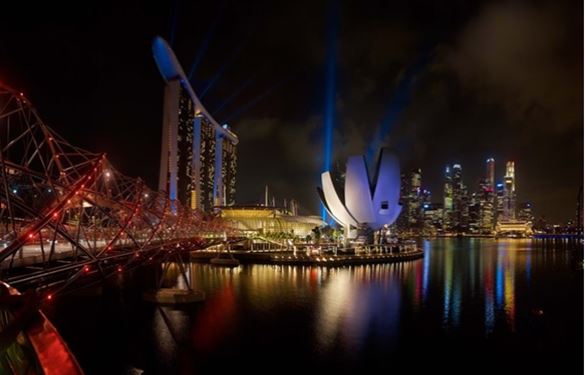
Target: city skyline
<point>340,186</point>
<point>438,107</point>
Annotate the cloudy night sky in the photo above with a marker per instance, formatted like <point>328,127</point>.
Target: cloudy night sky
<point>440,82</point>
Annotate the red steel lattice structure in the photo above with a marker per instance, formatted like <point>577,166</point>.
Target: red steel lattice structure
<point>66,212</point>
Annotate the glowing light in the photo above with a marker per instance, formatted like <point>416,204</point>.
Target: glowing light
<point>234,94</point>
<point>330,89</point>
<point>238,112</point>
<point>120,269</point>
<point>399,101</point>
<point>86,268</point>
<point>14,191</point>
<point>49,297</point>
<point>205,44</point>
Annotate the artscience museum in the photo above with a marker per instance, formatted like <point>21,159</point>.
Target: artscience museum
<point>365,204</point>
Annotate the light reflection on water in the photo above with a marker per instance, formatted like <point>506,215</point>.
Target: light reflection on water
<point>482,298</point>
<point>355,304</point>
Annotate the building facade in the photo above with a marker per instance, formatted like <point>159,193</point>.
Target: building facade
<point>198,156</point>
<point>262,220</point>
<point>509,209</point>
<point>447,200</point>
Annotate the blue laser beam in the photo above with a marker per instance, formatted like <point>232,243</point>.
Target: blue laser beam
<point>230,98</point>
<point>240,111</point>
<point>398,103</point>
<point>205,44</point>
<point>222,70</point>
<point>330,88</point>
<point>173,23</point>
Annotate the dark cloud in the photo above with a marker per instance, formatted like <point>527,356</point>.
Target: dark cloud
<point>523,58</point>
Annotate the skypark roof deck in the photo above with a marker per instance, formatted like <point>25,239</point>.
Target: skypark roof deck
<point>171,69</point>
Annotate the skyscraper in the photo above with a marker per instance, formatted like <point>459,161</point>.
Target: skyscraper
<point>198,156</point>
<point>415,199</point>
<point>491,174</point>
<point>460,216</point>
<point>500,201</point>
<point>525,212</point>
<point>487,199</point>
<point>447,199</point>
<point>487,206</point>
<point>509,211</point>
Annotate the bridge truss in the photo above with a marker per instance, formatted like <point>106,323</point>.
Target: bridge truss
<point>67,215</point>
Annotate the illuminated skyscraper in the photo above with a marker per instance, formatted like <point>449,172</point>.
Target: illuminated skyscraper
<point>447,200</point>
<point>500,201</point>
<point>403,221</point>
<point>460,217</point>
<point>491,174</point>
<point>525,212</point>
<point>487,207</point>
<point>415,199</point>
<point>487,199</point>
<point>198,156</point>
<point>509,209</point>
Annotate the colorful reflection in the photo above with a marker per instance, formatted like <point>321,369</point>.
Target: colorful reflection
<point>354,304</point>
<point>480,267</point>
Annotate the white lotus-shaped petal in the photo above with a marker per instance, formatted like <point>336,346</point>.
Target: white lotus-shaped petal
<point>334,205</point>
<point>387,193</point>
<point>360,205</point>
<point>358,197</point>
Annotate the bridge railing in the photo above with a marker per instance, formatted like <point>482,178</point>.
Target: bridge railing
<point>63,208</point>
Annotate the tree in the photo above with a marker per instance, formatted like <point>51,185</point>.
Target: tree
<point>316,234</point>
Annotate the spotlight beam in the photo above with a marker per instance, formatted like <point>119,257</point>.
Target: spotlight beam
<point>222,69</point>
<point>173,21</point>
<point>398,103</point>
<point>253,102</point>
<point>205,44</point>
<point>230,98</point>
<point>330,88</point>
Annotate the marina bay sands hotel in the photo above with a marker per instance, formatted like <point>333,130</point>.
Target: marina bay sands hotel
<point>198,156</point>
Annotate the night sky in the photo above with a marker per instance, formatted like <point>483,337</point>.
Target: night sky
<point>447,82</point>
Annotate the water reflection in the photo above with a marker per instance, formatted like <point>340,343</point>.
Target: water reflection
<point>356,302</point>
<point>465,285</point>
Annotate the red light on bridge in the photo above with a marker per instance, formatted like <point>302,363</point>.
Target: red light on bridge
<point>49,297</point>
<point>30,235</point>
<point>86,268</point>
<point>120,269</point>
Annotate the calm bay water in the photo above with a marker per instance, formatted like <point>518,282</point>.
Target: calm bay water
<point>470,305</point>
